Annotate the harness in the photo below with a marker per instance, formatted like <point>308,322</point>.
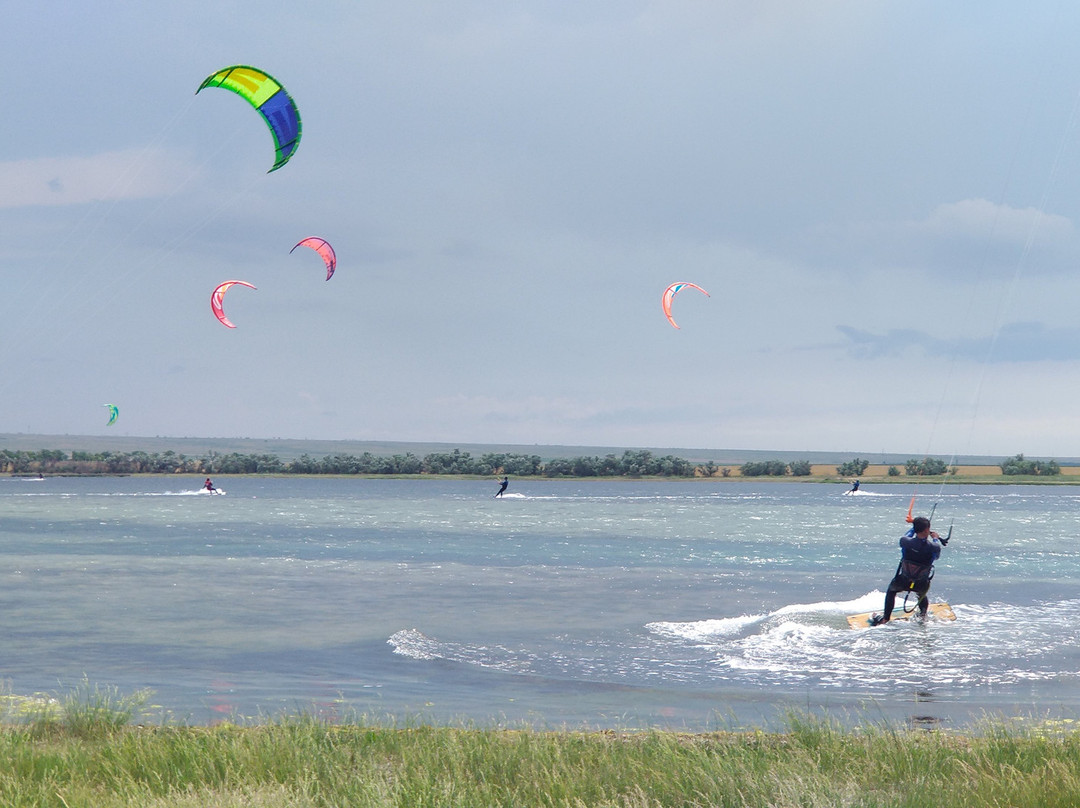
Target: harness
<point>917,577</point>
<point>915,573</point>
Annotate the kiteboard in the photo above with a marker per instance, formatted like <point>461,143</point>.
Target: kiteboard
<point>942,611</point>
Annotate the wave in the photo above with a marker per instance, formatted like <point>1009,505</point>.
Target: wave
<point>414,644</point>
<point>810,644</point>
<point>715,628</point>
<point>90,494</point>
<point>799,646</point>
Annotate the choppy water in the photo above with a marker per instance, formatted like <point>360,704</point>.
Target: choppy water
<point>601,604</point>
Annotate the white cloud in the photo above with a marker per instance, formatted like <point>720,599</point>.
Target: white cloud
<point>982,219</point>
<point>955,239</point>
<point>108,176</point>
<point>1013,342</point>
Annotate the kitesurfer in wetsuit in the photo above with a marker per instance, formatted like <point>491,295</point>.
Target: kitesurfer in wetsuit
<point>919,549</point>
<point>209,486</point>
<point>502,486</point>
<point>854,487</point>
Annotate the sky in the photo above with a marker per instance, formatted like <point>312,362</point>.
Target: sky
<point>881,199</point>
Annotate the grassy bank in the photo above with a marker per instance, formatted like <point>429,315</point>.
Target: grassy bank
<point>86,753</point>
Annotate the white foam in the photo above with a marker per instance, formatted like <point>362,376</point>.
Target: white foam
<point>717,627</point>
<point>704,630</point>
<point>414,644</point>
<point>865,603</point>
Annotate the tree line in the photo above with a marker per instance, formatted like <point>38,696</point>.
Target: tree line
<point>927,467</point>
<point>632,463</point>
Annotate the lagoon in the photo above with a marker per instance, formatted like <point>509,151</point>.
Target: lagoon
<point>593,604</point>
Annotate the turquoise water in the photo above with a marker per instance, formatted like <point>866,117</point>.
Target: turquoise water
<point>599,604</point>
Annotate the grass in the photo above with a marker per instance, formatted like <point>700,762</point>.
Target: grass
<point>85,751</point>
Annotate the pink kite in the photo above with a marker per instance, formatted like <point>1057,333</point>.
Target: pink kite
<point>323,248</point>
<point>218,298</point>
<point>669,296</point>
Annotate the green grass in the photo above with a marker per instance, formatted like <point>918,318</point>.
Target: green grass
<point>84,750</point>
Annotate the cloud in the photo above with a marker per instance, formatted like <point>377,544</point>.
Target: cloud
<point>963,238</point>
<point>980,219</point>
<point>108,176</point>
<point>1016,342</point>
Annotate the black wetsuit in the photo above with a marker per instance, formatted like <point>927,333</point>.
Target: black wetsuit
<point>916,569</point>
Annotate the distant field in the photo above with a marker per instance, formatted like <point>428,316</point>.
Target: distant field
<point>880,473</point>
<point>881,470</point>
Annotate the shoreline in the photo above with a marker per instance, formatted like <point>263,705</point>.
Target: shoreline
<point>966,475</point>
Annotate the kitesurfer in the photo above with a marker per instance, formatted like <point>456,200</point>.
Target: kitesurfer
<point>502,486</point>
<point>854,487</point>
<point>919,549</point>
<point>209,486</point>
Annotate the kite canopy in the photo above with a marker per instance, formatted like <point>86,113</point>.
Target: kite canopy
<point>217,299</point>
<point>323,248</point>
<point>669,296</point>
<point>114,413</point>
<point>264,93</point>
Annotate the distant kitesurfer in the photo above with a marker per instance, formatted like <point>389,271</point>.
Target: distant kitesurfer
<point>502,486</point>
<point>854,487</point>
<point>919,549</point>
<point>209,486</point>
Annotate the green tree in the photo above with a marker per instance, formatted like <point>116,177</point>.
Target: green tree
<point>852,468</point>
<point>927,467</point>
<point>558,468</point>
<point>1039,468</point>
<point>764,468</point>
<point>585,466</point>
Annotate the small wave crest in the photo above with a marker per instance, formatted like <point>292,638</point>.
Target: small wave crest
<point>414,644</point>
<point>202,492</point>
<point>712,629</point>
<point>705,630</point>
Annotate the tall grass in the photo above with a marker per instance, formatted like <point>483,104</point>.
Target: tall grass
<point>85,751</point>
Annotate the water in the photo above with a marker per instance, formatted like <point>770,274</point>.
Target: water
<point>696,605</point>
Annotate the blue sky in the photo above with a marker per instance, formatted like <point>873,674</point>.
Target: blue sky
<point>880,198</point>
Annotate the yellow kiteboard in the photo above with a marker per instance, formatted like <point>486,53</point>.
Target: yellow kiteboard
<point>942,611</point>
